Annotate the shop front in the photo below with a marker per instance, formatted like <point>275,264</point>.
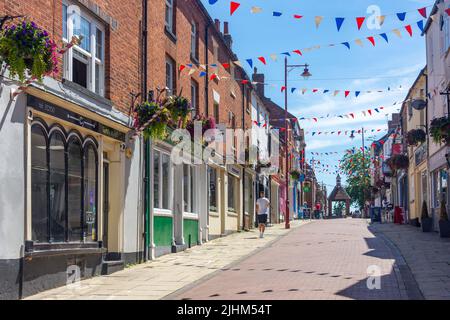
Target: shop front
<point>64,193</point>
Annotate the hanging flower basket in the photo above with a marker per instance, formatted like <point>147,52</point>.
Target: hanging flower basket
<point>207,124</point>
<point>179,108</point>
<point>440,130</point>
<point>399,162</point>
<point>27,51</point>
<point>414,137</point>
<point>295,175</point>
<point>152,118</point>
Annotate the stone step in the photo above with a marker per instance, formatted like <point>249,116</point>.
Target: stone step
<point>109,267</point>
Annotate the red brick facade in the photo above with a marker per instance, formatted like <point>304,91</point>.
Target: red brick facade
<point>122,21</point>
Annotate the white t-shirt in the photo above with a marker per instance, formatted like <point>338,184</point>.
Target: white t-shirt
<point>263,206</point>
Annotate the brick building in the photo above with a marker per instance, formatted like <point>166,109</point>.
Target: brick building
<point>62,211</point>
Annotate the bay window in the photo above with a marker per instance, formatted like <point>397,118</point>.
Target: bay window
<point>64,175</point>
<point>84,63</point>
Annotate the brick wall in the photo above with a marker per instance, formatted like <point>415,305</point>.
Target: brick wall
<point>122,40</point>
<point>177,46</point>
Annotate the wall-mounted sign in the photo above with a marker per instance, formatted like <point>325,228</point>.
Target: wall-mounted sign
<point>74,118</point>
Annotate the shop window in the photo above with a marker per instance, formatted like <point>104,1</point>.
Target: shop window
<point>231,193</point>
<point>189,204</point>
<point>212,175</point>
<point>39,173</point>
<point>75,182</point>
<point>84,63</point>
<point>90,192</point>
<point>57,188</point>
<point>64,186</point>
<point>162,181</point>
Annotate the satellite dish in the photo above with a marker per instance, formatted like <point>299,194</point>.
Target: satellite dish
<point>419,104</point>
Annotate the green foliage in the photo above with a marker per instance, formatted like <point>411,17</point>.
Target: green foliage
<point>356,168</point>
<point>338,208</point>
<point>179,108</point>
<point>25,48</point>
<point>440,130</point>
<point>295,175</point>
<point>152,117</point>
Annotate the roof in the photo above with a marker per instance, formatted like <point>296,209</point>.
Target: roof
<point>339,193</point>
<point>430,20</point>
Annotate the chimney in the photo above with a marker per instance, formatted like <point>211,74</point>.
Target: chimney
<point>227,35</point>
<point>217,23</point>
<point>259,77</point>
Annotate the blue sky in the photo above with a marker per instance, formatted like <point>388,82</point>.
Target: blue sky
<point>368,68</point>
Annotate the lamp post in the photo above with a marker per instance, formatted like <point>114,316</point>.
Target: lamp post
<point>306,74</point>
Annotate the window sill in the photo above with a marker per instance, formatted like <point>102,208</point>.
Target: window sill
<point>194,60</point>
<point>86,92</point>
<point>170,35</point>
<point>190,215</point>
<point>163,213</point>
<point>53,249</point>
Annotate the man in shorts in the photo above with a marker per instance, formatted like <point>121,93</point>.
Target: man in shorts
<point>262,210</point>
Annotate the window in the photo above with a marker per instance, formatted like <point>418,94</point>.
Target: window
<point>84,63</point>
<point>64,176</point>
<point>194,97</point>
<point>189,204</point>
<point>170,75</point>
<point>169,16</point>
<point>440,181</point>
<point>231,193</point>
<point>194,41</point>
<point>162,177</point>
<point>90,192</point>
<point>57,188</point>
<point>212,175</point>
<point>216,111</point>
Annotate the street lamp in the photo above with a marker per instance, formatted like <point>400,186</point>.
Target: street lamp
<point>306,74</point>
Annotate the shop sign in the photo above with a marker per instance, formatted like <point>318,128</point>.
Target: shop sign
<point>232,169</point>
<point>74,118</point>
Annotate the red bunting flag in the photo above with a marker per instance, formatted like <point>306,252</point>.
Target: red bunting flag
<point>315,119</point>
<point>283,88</point>
<point>423,12</point>
<point>370,112</point>
<point>339,133</point>
<point>372,40</point>
<point>360,21</point>
<point>409,29</point>
<point>297,16</point>
<point>315,90</point>
<point>213,76</point>
<point>347,93</point>
<point>448,11</point>
<point>182,67</point>
<point>353,115</point>
<point>233,7</point>
<point>226,65</point>
<point>381,108</point>
<point>245,81</point>
<point>298,52</point>
<point>262,59</point>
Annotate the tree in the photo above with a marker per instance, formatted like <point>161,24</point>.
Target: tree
<point>338,208</point>
<point>356,168</point>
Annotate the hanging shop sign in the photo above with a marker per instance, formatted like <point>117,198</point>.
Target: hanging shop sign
<point>74,118</point>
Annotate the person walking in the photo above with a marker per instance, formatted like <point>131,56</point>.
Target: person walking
<point>262,210</point>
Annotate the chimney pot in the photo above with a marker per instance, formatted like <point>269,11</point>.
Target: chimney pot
<point>217,23</point>
<point>225,27</point>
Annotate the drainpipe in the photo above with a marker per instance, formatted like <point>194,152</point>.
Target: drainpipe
<point>207,70</point>
<point>147,141</point>
<point>244,174</point>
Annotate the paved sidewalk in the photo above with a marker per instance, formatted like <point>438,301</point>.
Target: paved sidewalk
<point>426,254</point>
<point>167,274</point>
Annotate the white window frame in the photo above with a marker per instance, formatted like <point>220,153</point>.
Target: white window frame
<point>171,64</point>
<point>169,19</point>
<point>92,59</point>
<point>158,207</point>
<point>192,204</point>
<point>194,97</point>
<point>194,40</point>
